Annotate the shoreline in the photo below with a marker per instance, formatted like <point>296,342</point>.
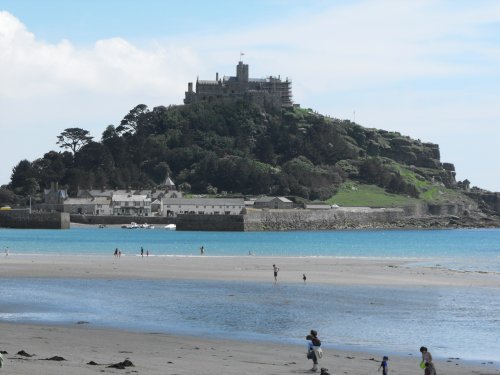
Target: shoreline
<point>158,353</point>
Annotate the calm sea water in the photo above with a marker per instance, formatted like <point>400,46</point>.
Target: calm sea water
<point>454,321</point>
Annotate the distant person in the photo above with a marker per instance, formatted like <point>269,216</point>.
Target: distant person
<point>116,252</point>
<point>314,351</point>
<point>304,277</point>
<point>384,366</point>
<point>7,251</point>
<point>142,252</point>
<point>202,250</point>
<point>119,253</point>
<point>275,269</point>
<point>147,253</point>
<point>426,363</point>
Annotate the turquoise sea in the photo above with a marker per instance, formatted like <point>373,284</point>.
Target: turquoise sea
<point>454,321</point>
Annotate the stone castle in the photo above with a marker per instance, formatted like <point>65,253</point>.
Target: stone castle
<point>271,90</point>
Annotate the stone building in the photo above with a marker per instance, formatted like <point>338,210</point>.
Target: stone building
<point>131,205</point>
<point>270,90</point>
<point>88,206</point>
<point>273,203</point>
<point>203,206</point>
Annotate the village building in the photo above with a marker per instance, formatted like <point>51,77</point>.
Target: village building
<point>270,90</point>
<point>131,205</point>
<point>273,203</point>
<point>88,206</point>
<point>203,206</point>
<point>54,195</point>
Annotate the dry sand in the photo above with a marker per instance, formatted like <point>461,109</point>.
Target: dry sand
<point>154,353</point>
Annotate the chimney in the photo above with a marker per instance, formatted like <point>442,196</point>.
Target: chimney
<point>190,86</point>
<point>216,76</point>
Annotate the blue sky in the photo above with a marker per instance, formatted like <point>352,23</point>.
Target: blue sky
<point>428,69</point>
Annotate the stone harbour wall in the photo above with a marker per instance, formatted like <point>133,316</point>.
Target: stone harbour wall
<point>37,220</point>
<point>336,218</point>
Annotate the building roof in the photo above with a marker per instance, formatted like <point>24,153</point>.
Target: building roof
<point>130,198</point>
<point>205,201</point>
<point>97,200</point>
<point>169,182</point>
<point>318,206</point>
<point>270,199</point>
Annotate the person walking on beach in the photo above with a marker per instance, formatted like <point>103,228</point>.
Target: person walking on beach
<point>314,351</point>
<point>275,269</point>
<point>426,363</point>
<point>304,277</point>
<point>384,366</point>
<point>202,250</point>
<point>142,252</point>
<point>116,252</point>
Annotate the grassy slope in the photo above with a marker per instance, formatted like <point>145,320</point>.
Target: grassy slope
<point>352,194</point>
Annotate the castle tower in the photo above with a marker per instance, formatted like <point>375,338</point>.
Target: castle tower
<point>242,72</point>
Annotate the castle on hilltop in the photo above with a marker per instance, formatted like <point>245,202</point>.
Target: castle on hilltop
<point>270,90</point>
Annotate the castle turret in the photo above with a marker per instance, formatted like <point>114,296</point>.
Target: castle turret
<point>242,72</point>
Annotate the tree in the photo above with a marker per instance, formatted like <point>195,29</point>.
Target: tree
<point>74,139</point>
<point>132,120</point>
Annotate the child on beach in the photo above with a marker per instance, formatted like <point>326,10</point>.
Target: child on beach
<point>314,351</point>
<point>383,365</point>
<point>426,363</point>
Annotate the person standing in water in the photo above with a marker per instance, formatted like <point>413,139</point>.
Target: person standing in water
<point>142,252</point>
<point>275,269</point>
<point>202,250</point>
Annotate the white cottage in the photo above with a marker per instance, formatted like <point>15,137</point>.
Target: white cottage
<point>203,206</point>
<point>131,205</point>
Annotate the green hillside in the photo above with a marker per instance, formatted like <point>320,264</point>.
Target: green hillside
<point>240,148</point>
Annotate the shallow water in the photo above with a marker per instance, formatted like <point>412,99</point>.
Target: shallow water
<point>455,322</point>
<point>462,249</point>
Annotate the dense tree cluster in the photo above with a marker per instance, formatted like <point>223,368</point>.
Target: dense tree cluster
<point>232,146</point>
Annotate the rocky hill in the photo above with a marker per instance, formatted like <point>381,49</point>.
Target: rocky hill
<point>240,148</point>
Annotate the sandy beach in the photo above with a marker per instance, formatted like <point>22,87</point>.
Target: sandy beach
<point>155,353</point>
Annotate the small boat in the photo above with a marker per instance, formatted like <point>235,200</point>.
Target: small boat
<point>146,226</point>
<point>170,227</point>
<point>132,225</point>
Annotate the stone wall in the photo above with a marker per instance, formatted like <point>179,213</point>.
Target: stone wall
<point>121,220</point>
<point>337,218</point>
<point>226,223</point>
<point>38,220</point>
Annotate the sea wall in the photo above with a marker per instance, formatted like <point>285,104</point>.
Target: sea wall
<point>121,220</point>
<point>37,220</point>
<point>336,218</point>
<point>228,223</point>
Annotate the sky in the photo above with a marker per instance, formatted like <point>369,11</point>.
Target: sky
<point>428,69</point>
